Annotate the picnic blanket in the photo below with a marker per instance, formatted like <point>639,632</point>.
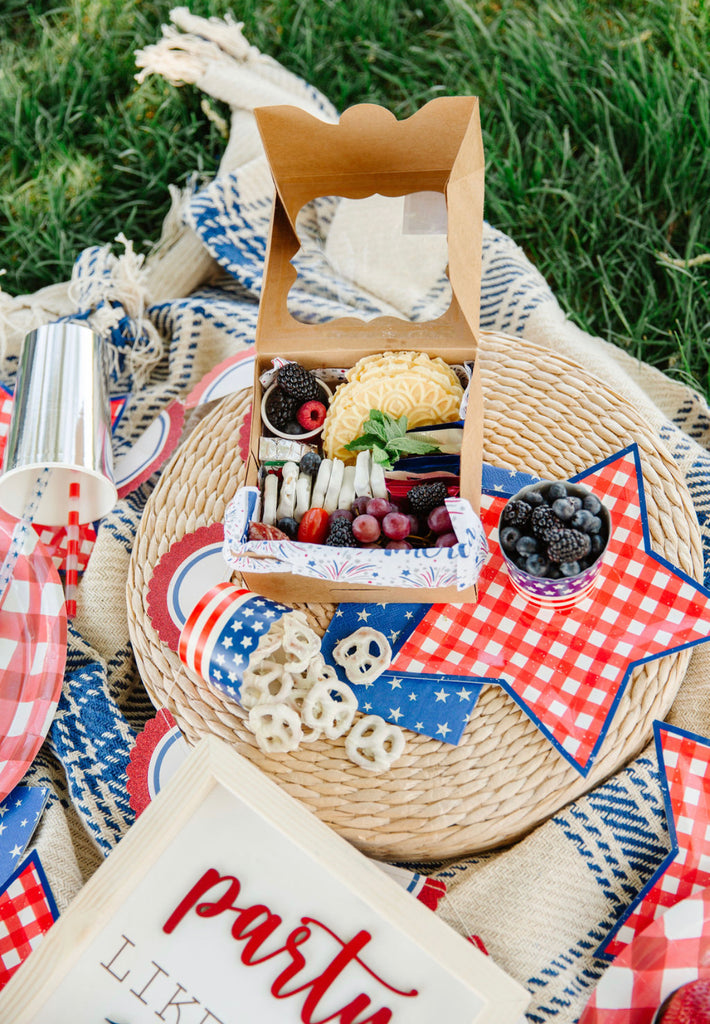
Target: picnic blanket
<point>542,906</point>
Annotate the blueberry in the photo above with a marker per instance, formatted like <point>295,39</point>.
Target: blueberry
<point>509,537</point>
<point>581,519</point>
<point>534,498</point>
<point>526,545</point>
<point>293,428</point>
<point>288,526</point>
<point>570,568</point>
<point>564,509</point>
<point>310,463</point>
<point>556,490</point>
<point>597,545</point>
<point>536,565</point>
<point>592,504</point>
<point>594,525</point>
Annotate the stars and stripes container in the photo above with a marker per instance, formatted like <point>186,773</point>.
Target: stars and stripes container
<point>61,421</point>
<point>564,591</point>
<point>223,631</point>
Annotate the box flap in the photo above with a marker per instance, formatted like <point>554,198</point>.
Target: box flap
<point>369,151</point>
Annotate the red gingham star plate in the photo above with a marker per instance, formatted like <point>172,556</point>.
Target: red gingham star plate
<point>33,648</point>
<point>672,951</point>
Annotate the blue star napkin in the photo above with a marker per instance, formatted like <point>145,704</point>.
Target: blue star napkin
<point>435,705</point>
<point>19,813</point>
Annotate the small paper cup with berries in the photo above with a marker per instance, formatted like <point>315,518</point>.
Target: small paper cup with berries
<point>553,537</point>
<point>303,433</point>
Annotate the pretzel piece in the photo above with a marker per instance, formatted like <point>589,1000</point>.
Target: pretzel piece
<point>321,710</point>
<point>374,744</point>
<point>264,683</point>
<point>301,645</point>
<point>277,728</point>
<point>354,654</point>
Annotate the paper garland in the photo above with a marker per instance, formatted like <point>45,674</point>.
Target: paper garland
<point>568,669</point>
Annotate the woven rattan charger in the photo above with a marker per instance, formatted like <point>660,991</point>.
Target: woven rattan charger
<point>543,414</point>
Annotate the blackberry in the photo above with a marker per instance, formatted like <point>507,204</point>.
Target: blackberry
<point>340,533</point>
<point>571,546</point>
<point>280,409</point>
<point>424,498</point>
<point>516,512</point>
<point>543,520</point>
<point>299,383</point>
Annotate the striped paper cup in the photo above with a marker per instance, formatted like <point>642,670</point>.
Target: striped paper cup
<point>222,631</point>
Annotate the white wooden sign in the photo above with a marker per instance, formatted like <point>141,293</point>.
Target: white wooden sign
<point>230,903</point>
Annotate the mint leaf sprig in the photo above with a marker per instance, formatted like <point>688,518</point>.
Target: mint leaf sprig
<point>387,439</point>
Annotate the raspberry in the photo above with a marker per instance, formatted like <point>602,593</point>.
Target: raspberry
<point>424,498</point>
<point>571,546</point>
<point>311,415</point>
<point>280,409</point>
<point>340,533</point>
<point>295,380</point>
<point>517,512</point>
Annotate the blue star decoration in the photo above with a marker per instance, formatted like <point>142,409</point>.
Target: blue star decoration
<point>20,812</point>
<point>435,705</point>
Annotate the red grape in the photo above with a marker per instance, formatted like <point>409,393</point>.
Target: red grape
<point>395,526</point>
<point>360,504</point>
<point>378,508</point>
<point>399,545</point>
<point>446,540</point>
<point>413,525</point>
<point>366,529</point>
<point>341,513</point>
<point>439,520</point>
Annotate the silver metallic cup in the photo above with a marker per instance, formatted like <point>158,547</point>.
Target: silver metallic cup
<point>61,419</point>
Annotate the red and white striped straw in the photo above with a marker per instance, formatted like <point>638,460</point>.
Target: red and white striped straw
<point>71,577</point>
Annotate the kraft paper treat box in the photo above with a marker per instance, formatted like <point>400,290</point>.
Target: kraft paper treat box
<point>369,151</point>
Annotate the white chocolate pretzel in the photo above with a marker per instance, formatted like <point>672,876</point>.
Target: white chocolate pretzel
<point>320,710</point>
<point>374,744</point>
<point>277,728</point>
<point>354,654</point>
<point>264,683</point>
<point>270,498</point>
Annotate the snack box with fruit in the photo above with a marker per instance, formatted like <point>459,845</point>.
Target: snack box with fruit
<point>325,506</point>
<point>378,380</point>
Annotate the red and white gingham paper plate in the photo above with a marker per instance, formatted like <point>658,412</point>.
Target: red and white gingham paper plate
<point>33,648</point>
<point>672,951</point>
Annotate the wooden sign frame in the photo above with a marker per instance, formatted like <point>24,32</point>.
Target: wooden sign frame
<point>229,901</point>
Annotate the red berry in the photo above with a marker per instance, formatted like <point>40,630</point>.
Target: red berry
<point>396,526</point>
<point>446,540</point>
<point>313,528</point>
<point>366,529</point>
<point>311,415</point>
<point>439,520</point>
<point>378,507</point>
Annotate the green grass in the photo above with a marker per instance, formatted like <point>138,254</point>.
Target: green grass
<point>596,125</point>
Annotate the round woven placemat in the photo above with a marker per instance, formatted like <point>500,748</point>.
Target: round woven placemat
<point>544,414</point>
